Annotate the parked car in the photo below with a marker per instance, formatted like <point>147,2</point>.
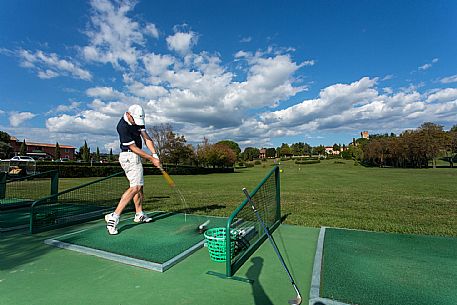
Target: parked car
<point>22,158</point>
<point>62,160</point>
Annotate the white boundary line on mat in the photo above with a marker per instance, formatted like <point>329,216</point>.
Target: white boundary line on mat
<point>314,295</point>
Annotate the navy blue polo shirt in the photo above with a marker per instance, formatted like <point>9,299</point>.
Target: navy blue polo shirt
<point>129,134</point>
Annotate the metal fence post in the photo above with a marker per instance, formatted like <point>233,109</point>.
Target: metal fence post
<point>2,185</point>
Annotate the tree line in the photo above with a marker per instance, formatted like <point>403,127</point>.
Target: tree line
<point>173,148</point>
<point>412,148</point>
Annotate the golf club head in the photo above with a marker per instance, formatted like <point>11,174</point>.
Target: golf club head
<point>203,227</point>
<point>296,301</point>
<point>202,230</point>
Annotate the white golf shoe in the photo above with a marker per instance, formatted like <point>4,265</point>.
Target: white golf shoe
<point>142,218</point>
<point>111,223</point>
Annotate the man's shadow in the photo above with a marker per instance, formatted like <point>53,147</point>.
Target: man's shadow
<point>253,273</point>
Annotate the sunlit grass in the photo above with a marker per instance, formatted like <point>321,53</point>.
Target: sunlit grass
<point>332,194</point>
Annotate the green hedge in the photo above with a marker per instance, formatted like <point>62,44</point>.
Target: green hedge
<point>75,163</point>
<point>79,171</point>
<point>308,162</point>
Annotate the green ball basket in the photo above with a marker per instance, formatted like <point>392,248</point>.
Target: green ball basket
<point>216,243</point>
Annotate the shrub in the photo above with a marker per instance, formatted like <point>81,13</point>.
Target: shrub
<point>308,162</point>
<point>79,171</point>
<point>257,162</point>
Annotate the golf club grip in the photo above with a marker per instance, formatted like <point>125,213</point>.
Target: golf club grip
<point>167,177</point>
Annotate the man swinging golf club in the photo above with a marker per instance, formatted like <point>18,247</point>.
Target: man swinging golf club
<point>131,130</point>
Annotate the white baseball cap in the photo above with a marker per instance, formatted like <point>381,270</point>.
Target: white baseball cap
<point>137,112</point>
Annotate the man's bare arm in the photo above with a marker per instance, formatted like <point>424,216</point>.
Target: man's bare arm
<point>149,143</point>
<point>144,155</point>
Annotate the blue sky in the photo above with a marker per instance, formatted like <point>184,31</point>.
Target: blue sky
<point>260,73</point>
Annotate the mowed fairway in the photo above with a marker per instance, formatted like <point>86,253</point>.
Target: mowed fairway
<point>421,201</point>
<point>331,193</point>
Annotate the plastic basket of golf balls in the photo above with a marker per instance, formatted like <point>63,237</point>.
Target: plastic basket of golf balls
<point>216,242</point>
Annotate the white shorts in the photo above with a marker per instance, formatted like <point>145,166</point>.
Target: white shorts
<point>131,164</point>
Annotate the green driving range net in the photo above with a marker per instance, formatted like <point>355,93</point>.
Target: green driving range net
<point>23,191</point>
<point>248,231</point>
<point>79,204</point>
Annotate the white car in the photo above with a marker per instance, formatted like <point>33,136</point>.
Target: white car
<point>22,158</point>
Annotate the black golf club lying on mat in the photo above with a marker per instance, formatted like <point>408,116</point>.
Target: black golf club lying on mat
<point>297,300</point>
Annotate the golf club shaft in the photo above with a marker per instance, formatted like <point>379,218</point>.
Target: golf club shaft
<point>167,177</point>
<point>172,184</point>
<point>273,243</point>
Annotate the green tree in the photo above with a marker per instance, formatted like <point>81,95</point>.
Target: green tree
<point>97,155</point>
<point>160,136</point>
<point>452,145</point>
<point>297,148</point>
<point>5,137</point>
<point>271,152</point>
<point>345,154</point>
<point>307,149</point>
<point>285,149</point>
<point>319,150</point>
<point>433,140</point>
<point>176,150</point>
<point>5,146</point>
<point>356,152</point>
<point>57,151</point>
<point>220,155</point>
<point>84,152</point>
<point>110,156</point>
<point>201,153</point>
<point>233,145</point>
<point>23,149</point>
<point>250,153</point>
<point>278,152</point>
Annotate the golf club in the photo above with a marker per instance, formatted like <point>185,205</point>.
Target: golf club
<point>203,227</point>
<point>167,177</point>
<point>298,299</point>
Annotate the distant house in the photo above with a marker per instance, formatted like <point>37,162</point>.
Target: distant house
<point>43,150</point>
<point>364,135</point>
<point>263,153</point>
<point>329,151</point>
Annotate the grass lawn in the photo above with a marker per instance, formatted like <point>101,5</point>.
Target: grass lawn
<point>331,193</point>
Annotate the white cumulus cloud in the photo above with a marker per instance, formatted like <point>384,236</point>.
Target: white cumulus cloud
<point>182,43</point>
<point>443,95</point>
<point>17,118</point>
<point>50,65</point>
<point>88,121</point>
<point>113,35</point>
<point>65,108</point>
<point>428,65</point>
<point>449,79</point>
<point>152,30</point>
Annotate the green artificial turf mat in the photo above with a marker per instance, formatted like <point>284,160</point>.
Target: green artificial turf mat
<point>14,218</point>
<point>159,241</point>
<point>368,268</point>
